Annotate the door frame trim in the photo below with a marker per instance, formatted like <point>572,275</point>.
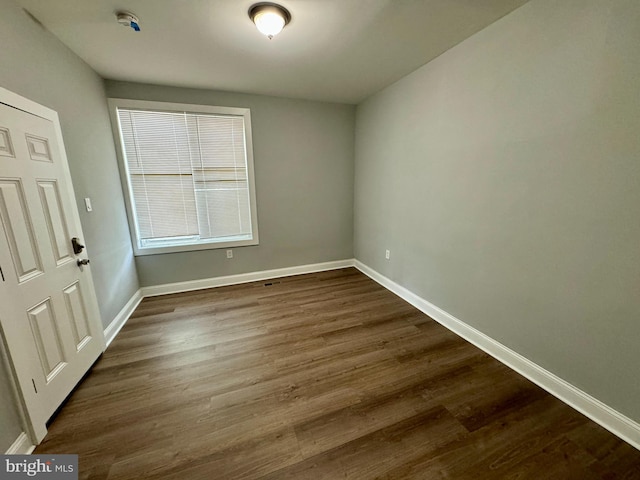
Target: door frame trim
<point>16,101</point>
<point>35,429</point>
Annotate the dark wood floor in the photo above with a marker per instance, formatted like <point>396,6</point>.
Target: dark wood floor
<point>322,376</point>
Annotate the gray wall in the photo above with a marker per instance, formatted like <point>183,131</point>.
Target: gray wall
<point>37,66</point>
<point>303,156</point>
<point>504,177</point>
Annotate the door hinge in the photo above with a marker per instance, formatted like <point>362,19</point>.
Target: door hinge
<point>2,273</point>
<point>34,385</point>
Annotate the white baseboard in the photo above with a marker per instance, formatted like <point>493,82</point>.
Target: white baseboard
<point>22,446</point>
<point>117,323</point>
<point>618,424</point>
<point>243,278</point>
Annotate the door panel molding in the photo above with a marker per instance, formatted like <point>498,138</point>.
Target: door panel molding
<point>78,314</point>
<point>6,147</point>
<point>16,219</point>
<point>47,334</point>
<point>39,149</point>
<point>56,220</point>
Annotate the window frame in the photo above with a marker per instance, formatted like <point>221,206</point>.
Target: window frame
<point>155,106</point>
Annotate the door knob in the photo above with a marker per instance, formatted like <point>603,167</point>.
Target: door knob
<point>84,261</point>
<point>77,247</point>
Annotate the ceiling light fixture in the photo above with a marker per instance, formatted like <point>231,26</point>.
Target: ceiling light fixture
<point>269,18</point>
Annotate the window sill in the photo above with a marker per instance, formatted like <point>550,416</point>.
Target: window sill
<point>194,247</point>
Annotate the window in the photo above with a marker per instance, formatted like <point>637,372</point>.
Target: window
<point>189,175</point>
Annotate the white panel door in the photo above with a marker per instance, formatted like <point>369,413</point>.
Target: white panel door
<point>48,308</point>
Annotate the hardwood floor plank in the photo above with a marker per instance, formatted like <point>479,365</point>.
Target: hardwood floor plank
<point>333,429</point>
<point>319,376</point>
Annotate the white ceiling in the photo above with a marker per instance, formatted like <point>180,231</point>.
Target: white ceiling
<point>333,50</point>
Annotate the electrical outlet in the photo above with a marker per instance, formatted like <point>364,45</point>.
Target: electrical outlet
<point>387,254</point>
<point>229,253</point>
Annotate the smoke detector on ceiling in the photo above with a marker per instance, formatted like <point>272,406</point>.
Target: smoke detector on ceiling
<point>128,20</point>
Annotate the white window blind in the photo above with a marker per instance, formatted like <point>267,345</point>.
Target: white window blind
<point>188,176</point>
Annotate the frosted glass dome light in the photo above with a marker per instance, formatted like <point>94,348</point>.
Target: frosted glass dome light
<point>269,18</point>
